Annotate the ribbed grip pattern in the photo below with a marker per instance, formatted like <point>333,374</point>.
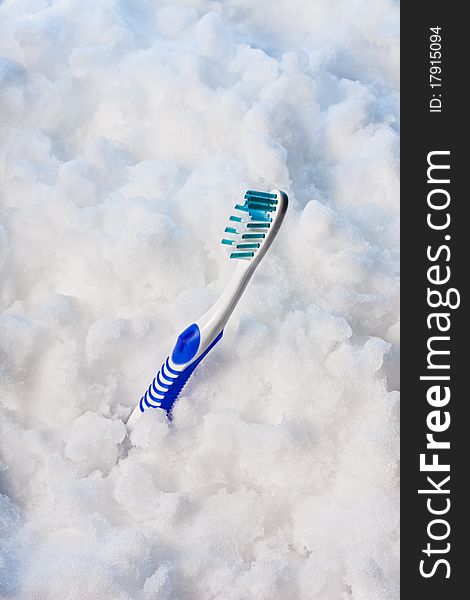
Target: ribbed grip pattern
<point>168,383</point>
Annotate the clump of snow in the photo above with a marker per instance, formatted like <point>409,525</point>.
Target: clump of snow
<point>128,129</point>
<point>92,443</point>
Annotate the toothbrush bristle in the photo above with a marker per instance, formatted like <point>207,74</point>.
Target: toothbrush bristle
<point>249,225</point>
<point>242,255</point>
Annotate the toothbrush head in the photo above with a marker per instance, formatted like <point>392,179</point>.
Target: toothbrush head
<point>254,224</point>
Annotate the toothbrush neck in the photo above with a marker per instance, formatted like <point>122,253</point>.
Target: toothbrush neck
<point>214,320</point>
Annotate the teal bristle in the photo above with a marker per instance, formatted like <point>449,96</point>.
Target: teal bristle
<point>240,207</point>
<point>261,207</point>
<point>230,230</point>
<point>247,246</point>
<point>260,201</point>
<point>259,215</point>
<point>242,255</point>
<point>236,219</point>
<point>254,193</point>
<point>258,225</point>
<point>253,236</point>
<point>227,242</point>
<point>251,200</point>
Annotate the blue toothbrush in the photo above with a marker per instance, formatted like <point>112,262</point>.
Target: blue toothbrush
<point>252,228</point>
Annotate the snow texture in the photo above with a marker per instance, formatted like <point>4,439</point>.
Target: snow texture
<point>128,130</point>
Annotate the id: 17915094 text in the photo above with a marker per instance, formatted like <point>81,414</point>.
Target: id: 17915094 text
<point>435,69</point>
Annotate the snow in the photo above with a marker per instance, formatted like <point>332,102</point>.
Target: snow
<point>127,131</point>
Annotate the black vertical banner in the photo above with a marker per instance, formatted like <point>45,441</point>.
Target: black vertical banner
<point>435,255</point>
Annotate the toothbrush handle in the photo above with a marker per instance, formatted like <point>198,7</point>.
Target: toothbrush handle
<point>156,398</point>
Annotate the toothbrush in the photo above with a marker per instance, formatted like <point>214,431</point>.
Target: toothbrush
<point>252,228</point>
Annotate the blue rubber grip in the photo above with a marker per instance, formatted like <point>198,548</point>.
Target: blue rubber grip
<point>178,378</point>
<point>187,345</point>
